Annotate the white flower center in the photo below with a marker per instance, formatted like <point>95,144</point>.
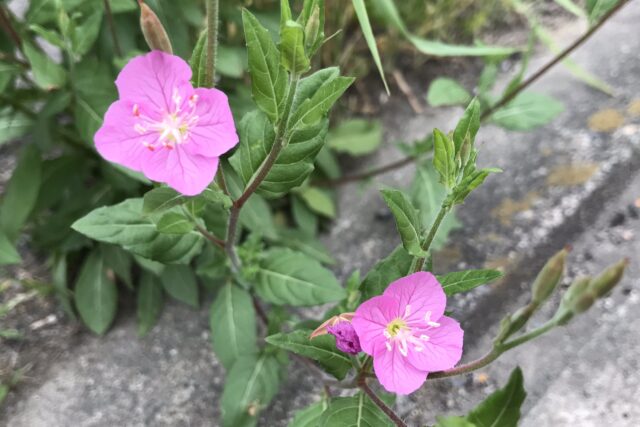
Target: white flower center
<point>406,334</point>
<point>174,127</point>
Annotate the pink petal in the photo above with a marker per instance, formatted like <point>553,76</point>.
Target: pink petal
<point>371,319</point>
<point>422,293</point>
<point>395,373</point>
<point>215,132</point>
<point>186,173</point>
<point>443,349</point>
<point>152,78</point>
<point>118,141</point>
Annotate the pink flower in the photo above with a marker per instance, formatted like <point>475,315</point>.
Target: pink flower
<point>163,127</point>
<point>346,337</point>
<point>405,331</point>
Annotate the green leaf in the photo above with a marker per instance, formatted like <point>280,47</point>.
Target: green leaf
<point>453,422</point>
<point>527,111</point>
<point>21,192</point>
<point>444,152</point>
<point>388,12</point>
<point>8,253</point>
<point>315,96</point>
<point>501,408</point>
<point>356,136</point>
<point>50,36</point>
<point>302,241</point>
<point>87,32</point>
<point>471,182</point>
<point>60,284</point>
<point>174,223</point>
<point>445,92</point>
<point>150,300</point>
<point>198,61</point>
<point>294,163</point>
<point>321,349</point>
<point>468,126</point>
<point>365,26</point>
<point>233,325</point>
<point>309,416</point>
<point>303,216</point>
<point>118,260</point>
<point>180,282</point>
<point>251,383</point>
<point>13,124</point>
<point>463,281</point>
<point>47,74</point>
<point>160,199</point>
<point>124,224</point>
<point>407,220</point>
<point>94,92</point>
<point>598,8</point>
<point>427,195</point>
<point>356,411</point>
<point>287,277</point>
<point>256,216</point>
<point>391,268</point>
<point>319,201</point>
<point>292,54</point>
<point>95,295</point>
<point>268,76</point>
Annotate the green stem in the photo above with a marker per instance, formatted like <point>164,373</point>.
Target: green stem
<point>112,28</point>
<point>263,171</point>
<point>212,42</point>
<point>496,352</point>
<point>444,209</point>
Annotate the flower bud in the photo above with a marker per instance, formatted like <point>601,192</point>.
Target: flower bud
<point>332,321</point>
<point>609,278</point>
<point>548,278</point>
<point>152,29</point>
<point>582,303</point>
<point>312,28</point>
<point>570,304</point>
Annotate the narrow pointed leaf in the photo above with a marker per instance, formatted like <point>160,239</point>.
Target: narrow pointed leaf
<point>502,408</point>
<point>95,295</point>
<point>407,220</point>
<point>463,281</point>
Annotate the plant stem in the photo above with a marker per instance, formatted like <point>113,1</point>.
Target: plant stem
<point>467,367</point>
<point>496,352</point>
<point>212,42</point>
<point>444,209</point>
<point>262,173</point>
<point>112,28</point>
<point>362,383</point>
<point>504,100</point>
<point>209,236</point>
<point>559,57</point>
<point>7,27</point>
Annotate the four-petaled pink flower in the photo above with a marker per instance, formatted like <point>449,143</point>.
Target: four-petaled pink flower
<point>406,332</point>
<point>163,127</point>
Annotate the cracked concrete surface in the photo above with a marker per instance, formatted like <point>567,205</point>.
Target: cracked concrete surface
<point>583,375</point>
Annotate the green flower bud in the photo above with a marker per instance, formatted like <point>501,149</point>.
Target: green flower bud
<point>605,281</point>
<point>582,303</point>
<point>548,278</point>
<point>577,288</point>
<point>152,29</point>
<point>312,28</point>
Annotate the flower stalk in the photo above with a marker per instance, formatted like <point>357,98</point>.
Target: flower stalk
<point>212,42</point>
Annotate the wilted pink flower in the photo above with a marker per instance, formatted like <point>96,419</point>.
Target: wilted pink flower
<point>346,337</point>
<point>163,127</point>
<point>405,331</point>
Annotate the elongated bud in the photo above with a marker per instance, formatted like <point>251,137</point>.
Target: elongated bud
<point>583,303</point>
<point>548,278</point>
<point>152,29</point>
<point>312,27</point>
<point>610,277</point>
<point>573,301</point>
